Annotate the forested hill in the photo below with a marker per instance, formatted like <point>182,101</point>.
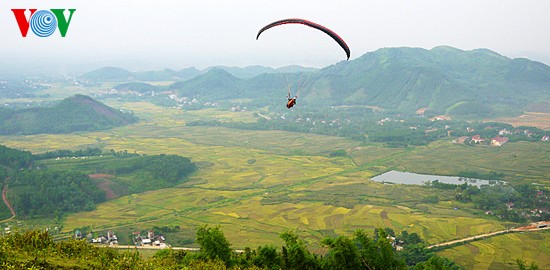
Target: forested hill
<point>76,113</point>
<point>443,79</point>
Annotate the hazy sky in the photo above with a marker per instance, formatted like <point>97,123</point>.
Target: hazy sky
<point>177,34</point>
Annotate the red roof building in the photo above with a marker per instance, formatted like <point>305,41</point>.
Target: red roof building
<point>499,141</point>
<point>477,139</point>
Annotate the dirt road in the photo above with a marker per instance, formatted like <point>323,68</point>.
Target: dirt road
<point>5,199</point>
<point>539,226</point>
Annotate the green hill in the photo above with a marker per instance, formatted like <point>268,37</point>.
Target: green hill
<point>406,79</point>
<point>252,71</point>
<point>216,84</point>
<point>76,113</point>
<point>108,74</point>
<point>166,75</point>
<point>136,87</point>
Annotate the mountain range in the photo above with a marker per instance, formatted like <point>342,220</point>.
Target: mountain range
<point>444,80</point>
<point>115,74</point>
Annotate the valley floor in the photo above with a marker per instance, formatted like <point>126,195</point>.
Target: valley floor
<point>258,184</point>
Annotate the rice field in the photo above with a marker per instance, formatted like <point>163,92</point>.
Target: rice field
<point>258,184</point>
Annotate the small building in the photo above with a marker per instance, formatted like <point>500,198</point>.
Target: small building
<point>146,241</point>
<point>499,141</point>
<point>112,238</point>
<point>77,234</point>
<point>100,240</point>
<point>440,118</point>
<point>545,138</point>
<point>477,139</point>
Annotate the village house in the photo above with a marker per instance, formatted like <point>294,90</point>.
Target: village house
<point>545,138</point>
<point>99,240</point>
<point>440,118</point>
<point>477,139</point>
<point>382,121</point>
<point>499,141</point>
<point>77,235</point>
<point>109,239</point>
<point>150,240</point>
<point>504,132</point>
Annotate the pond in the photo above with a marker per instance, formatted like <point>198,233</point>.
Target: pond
<point>396,177</point>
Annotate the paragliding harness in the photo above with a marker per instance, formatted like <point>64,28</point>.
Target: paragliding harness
<point>291,101</point>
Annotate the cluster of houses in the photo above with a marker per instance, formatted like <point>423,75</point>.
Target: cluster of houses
<point>188,101</point>
<point>533,213</point>
<point>108,239</point>
<point>115,92</point>
<point>477,139</point>
<point>498,140</point>
<point>396,244</point>
<point>149,240</point>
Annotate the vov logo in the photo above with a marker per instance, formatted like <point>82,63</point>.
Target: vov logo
<point>43,23</point>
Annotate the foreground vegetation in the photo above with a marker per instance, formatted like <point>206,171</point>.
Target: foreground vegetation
<point>37,250</point>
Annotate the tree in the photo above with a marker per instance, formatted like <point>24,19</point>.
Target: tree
<point>213,244</point>
<point>343,254</point>
<point>268,258</point>
<point>378,253</point>
<point>522,266</point>
<point>437,263</point>
<point>295,254</point>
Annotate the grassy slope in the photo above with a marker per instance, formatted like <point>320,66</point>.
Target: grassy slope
<point>291,184</point>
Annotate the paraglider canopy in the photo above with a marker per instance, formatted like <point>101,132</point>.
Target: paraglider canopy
<point>327,31</point>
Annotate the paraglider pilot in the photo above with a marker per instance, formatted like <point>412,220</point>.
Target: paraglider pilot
<point>291,101</point>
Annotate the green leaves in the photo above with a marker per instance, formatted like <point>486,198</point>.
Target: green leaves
<point>214,245</point>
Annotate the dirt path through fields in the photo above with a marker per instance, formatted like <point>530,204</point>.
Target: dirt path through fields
<point>5,199</point>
